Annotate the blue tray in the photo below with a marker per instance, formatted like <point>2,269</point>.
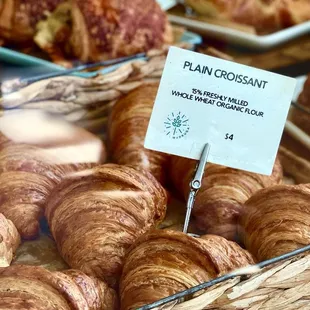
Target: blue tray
<point>17,61</point>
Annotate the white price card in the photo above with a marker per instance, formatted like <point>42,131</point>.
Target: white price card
<point>240,111</point>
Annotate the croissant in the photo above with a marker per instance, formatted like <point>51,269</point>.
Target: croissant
<point>9,241</point>
<point>222,194</point>
<point>299,117</point>
<point>264,15</point>
<point>96,215</point>
<point>28,287</point>
<point>18,18</point>
<point>276,220</point>
<point>128,125</point>
<point>162,263</point>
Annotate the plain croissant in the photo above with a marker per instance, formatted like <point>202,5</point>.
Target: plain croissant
<point>96,215</point>
<point>9,241</point>
<point>27,287</point>
<point>222,194</point>
<point>128,125</point>
<point>164,262</point>
<point>276,220</point>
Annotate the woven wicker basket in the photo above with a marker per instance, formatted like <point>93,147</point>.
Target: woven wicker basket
<point>281,283</point>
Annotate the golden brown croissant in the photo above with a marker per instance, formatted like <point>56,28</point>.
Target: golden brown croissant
<point>264,15</point>
<point>28,287</point>
<point>96,215</point>
<point>128,125</point>
<point>9,241</point>
<point>276,220</point>
<point>299,117</point>
<point>163,262</point>
<point>18,18</point>
<point>222,194</point>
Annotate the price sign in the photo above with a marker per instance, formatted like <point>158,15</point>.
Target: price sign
<point>240,111</point>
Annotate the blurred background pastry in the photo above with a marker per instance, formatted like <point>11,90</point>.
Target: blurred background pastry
<point>263,15</point>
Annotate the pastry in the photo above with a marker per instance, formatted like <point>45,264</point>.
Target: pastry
<point>96,215</point>
<point>28,287</point>
<point>162,263</point>
<point>224,190</point>
<point>264,15</point>
<point>102,29</point>
<point>29,172</point>
<point>299,117</point>
<point>276,220</point>
<point>128,125</point>
<point>9,241</point>
<point>18,18</point>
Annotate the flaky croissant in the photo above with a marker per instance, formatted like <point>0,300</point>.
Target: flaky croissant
<point>264,15</point>
<point>128,125</point>
<point>18,18</point>
<point>27,287</point>
<point>276,220</point>
<point>222,194</point>
<point>164,262</point>
<point>9,241</point>
<point>299,117</point>
<point>97,214</point>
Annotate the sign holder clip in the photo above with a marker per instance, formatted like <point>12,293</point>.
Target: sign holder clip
<point>195,184</point>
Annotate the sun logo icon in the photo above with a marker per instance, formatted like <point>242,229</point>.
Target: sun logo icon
<point>176,125</point>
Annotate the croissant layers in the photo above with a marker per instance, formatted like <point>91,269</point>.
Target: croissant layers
<point>128,125</point>
<point>96,215</point>
<point>9,241</point>
<point>276,220</point>
<point>28,287</point>
<point>220,199</point>
<point>163,262</point>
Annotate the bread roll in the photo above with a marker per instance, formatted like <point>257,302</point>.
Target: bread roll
<point>162,263</point>
<point>128,125</point>
<point>28,287</point>
<point>96,215</point>
<point>276,220</point>
<point>220,199</point>
<point>9,241</point>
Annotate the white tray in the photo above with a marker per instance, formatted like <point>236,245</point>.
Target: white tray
<point>238,37</point>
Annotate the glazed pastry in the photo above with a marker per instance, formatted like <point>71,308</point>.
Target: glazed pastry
<point>264,15</point>
<point>102,29</point>
<point>276,220</point>
<point>301,118</point>
<point>128,125</point>
<point>18,18</point>
<point>162,263</point>
<point>9,241</point>
<point>28,287</point>
<point>96,215</point>
<point>28,173</point>
<point>220,200</point>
